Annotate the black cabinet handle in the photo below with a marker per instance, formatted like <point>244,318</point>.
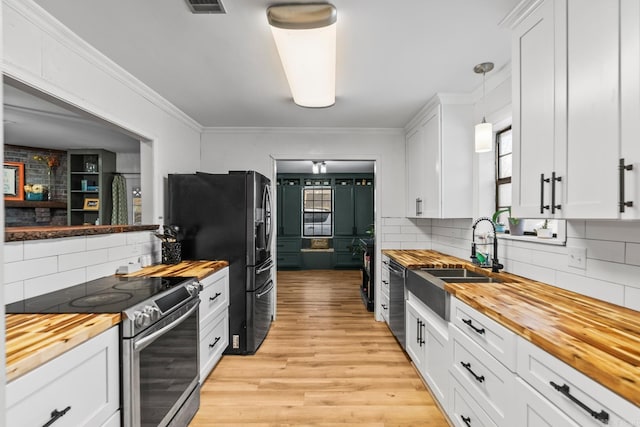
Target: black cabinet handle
<point>213,298</point>
<point>418,206</point>
<point>554,179</point>
<point>384,306</point>
<point>542,181</point>
<point>418,331</point>
<point>466,420</point>
<point>469,323</point>
<point>622,168</point>
<point>214,342</point>
<point>467,366</point>
<point>564,389</point>
<point>422,325</point>
<point>55,415</point>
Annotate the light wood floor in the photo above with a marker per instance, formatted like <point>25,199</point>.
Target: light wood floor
<point>325,362</point>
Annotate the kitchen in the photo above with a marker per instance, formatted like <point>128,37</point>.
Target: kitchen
<point>612,246</point>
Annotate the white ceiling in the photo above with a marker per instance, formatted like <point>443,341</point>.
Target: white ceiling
<point>223,70</point>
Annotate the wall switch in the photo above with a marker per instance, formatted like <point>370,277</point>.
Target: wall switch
<point>577,257</point>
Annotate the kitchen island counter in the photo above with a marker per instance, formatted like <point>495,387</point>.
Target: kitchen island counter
<point>34,339</point>
<point>599,339</point>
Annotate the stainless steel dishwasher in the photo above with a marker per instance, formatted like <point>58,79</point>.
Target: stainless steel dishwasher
<point>397,276</point>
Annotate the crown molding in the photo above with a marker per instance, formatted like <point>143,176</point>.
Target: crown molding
<point>518,13</point>
<point>438,99</point>
<point>302,130</point>
<point>35,14</point>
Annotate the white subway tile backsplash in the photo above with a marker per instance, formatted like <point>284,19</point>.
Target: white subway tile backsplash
<point>632,254</point>
<point>621,231</point>
<point>623,274</point>
<point>82,259</point>
<point>400,237</point>
<point>576,229</point>
<point>28,269</point>
<point>139,237</point>
<point>106,241</point>
<point>414,245</point>
<point>13,251</point>
<point>43,248</point>
<point>53,282</point>
<point>539,273</point>
<point>632,298</point>
<point>605,250</point>
<point>125,252</point>
<point>605,291</point>
<point>386,229</point>
<point>13,292</point>
<point>396,221</point>
<point>101,270</point>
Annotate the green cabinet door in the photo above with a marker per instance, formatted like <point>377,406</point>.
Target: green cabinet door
<point>363,208</point>
<point>343,210</point>
<point>290,204</point>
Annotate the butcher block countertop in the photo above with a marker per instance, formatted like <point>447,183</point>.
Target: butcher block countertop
<point>34,339</point>
<point>599,339</point>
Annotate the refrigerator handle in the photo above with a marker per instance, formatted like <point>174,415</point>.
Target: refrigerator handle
<point>266,266</point>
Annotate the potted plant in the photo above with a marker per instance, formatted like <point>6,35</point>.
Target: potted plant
<point>516,226</point>
<point>544,232</point>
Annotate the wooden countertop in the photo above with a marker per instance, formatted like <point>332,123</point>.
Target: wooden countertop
<point>18,234</point>
<point>34,339</point>
<point>599,339</point>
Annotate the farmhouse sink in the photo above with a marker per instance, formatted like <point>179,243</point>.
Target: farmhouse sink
<point>427,285</point>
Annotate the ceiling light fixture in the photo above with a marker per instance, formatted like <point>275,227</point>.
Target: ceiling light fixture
<point>305,35</point>
<point>315,168</point>
<point>323,167</point>
<point>484,130</point>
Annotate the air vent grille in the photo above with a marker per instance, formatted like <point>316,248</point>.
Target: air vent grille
<point>205,6</point>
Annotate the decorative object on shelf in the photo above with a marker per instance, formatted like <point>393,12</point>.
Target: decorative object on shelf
<point>13,181</point>
<point>90,167</point>
<point>516,225</point>
<point>91,204</point>
<point>544,232</point>
<point>484,130</point>
<point>305,36</point>
<point>35,192</point>
<point>52,162</point>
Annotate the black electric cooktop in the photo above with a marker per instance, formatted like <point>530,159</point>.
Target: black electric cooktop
<point>111,294</point>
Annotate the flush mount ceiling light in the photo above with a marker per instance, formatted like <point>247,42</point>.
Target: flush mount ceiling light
<point>484,130</point>
<point>305,35</point>
<point>319,167</point>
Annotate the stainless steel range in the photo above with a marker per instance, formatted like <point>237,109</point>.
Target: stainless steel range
<point>159,330</point>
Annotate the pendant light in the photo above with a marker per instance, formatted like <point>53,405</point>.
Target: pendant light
<point>484,130</point>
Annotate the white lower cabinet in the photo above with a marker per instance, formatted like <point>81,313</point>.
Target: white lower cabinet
<point>534,410</point>
<point>79,388</point>
<point>427,338</point>
<point>464,411</point>
<point>113,421</point>
<point>383,299</point>
<point>582,399</point>
<point>214,320</point>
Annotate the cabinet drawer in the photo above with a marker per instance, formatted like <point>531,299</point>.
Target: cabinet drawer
<point>289,245</point>
<point>214,338</point>
<point>288,259</point>
<point>533,410</point>
<point>347,259</point>
<point>463,410</point>
<point>85,379</point>
<point>487,333</point>
<point>214,296</point>
<point>384,305</point>
<point>539,369</point>
<point>486,379</point>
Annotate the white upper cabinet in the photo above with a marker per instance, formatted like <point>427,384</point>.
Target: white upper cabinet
<point>439,152</point>
<point>539,103</point>
<point>576,93</point>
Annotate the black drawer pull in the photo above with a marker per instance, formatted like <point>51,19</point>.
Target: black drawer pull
<point>384,306</point>
<point>469,323</point>
<point>213,298</point>
<point>214,342</point>
<point>601,416</point>
<point>466,420</point>
<point>55,415</point>
<point>467,366</point>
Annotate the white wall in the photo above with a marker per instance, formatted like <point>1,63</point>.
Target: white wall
<point>42,53</point>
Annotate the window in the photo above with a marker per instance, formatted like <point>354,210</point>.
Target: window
<point>503,172</point>
<point>317,207</point>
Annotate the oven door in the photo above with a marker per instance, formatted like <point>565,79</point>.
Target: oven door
<point>161,371</point>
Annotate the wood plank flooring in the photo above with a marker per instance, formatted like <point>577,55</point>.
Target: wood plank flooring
<point>325,362</point>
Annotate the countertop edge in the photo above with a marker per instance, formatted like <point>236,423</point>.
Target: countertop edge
<point>19,234</point>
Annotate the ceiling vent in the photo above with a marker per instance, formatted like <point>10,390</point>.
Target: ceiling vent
<point>205,6</point>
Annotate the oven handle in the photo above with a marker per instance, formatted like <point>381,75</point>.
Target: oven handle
<point>139,345</point>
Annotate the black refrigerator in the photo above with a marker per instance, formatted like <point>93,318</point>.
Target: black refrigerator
<point>228,217</point>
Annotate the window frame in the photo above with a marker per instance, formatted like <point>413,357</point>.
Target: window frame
<point>304,212</point>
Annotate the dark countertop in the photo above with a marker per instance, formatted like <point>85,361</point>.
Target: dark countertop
<point>18,234</point>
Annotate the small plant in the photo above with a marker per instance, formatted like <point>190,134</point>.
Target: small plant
<point>515,227</point>
<point>545,225</point>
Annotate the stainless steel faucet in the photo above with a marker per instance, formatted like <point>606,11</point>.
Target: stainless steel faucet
<point>495,264</point>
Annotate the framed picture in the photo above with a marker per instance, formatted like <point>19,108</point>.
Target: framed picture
<point>13,180</point>
<point>91,204</point>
